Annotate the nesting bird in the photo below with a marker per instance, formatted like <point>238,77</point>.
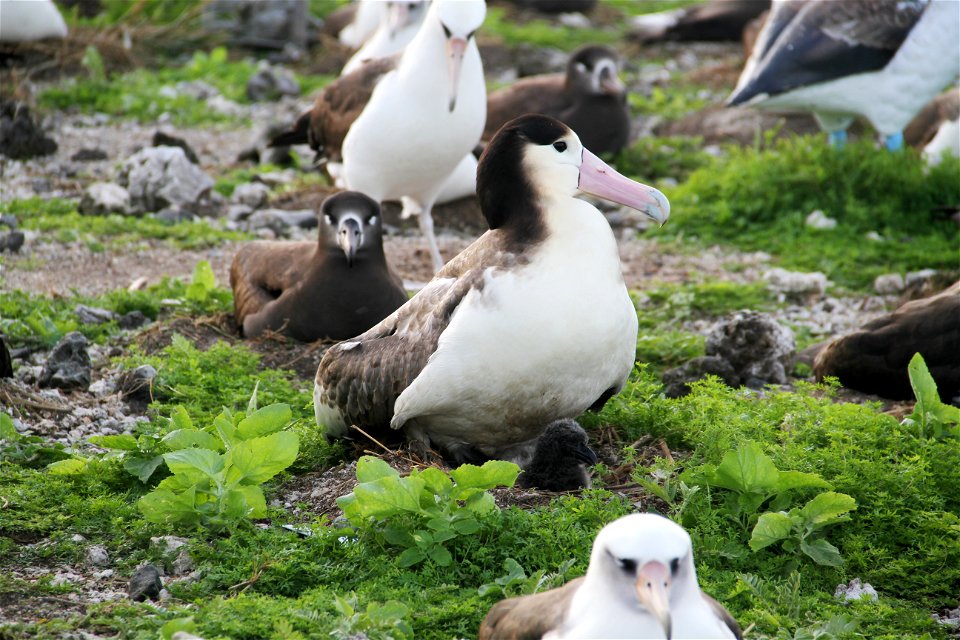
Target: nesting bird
<point>558,459</point>
<point>874,358</point>
<point>530,323</point>
<point>641,583</point>
<point>335,288</point>
<point>403,124</point>
<point>880,59</point>
<point>589,98</point>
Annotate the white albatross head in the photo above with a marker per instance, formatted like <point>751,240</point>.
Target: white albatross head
<point>458,20</point>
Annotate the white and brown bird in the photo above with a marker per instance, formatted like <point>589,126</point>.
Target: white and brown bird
<point>530,323</point>
<point>589,98</point>
<point>641,583</point>
<point>879,59</point>
<point>402,125</point>
<point>334,288</point>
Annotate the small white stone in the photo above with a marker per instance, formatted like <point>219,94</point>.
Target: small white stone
<point>97,556</point>
<point>888,284</point>
<point>818,220</point>
<point>168,544</point>
<point>873,236</point>
<point>855,591</point>
<point>792,282</point>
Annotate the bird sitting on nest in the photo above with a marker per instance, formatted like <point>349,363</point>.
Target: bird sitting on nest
<point>558,459</point>
<point>335,288</point>
<point>589,98</point>
<point>641,583</point>
<point>530,323</point>
<point>880,59</point>
<point>402,124</point>
<point>874,358</point>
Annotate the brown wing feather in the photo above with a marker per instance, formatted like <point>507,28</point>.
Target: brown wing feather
<point>528,617</point>
<point>363,377</point>
<point>341,103</point>
<point>260,271</point>
<point>538,94</point>
<point>724,615</point>
<point>874,358</point>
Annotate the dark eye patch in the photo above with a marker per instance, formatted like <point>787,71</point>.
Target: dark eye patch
<point>627,564</point>
<point>560,146</point>
<point>446,31</point>
<point>674,566</point>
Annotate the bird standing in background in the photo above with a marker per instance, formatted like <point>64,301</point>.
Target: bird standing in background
<point>398,25</point>
<point>403,124</point>
<point>334,288</point>
<point>641,583</point>
<point>880,59</point>
<point>530,323</point>
<point>589,98</point>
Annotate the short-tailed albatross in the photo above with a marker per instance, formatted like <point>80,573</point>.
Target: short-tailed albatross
<point>641,583</point>
<point>530,323</point>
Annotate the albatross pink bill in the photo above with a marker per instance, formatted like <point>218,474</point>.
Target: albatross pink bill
<point>598,179</point>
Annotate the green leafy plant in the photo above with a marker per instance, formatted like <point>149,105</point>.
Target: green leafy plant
<point>387,620</point>
<point>215,481</point>
<point>930,415</point>
<point>203,282</point>
<point>427,508</point>
<point>516,582</point>
<point>142,454</point>
<point>754,480</point>
<point>26,451</point>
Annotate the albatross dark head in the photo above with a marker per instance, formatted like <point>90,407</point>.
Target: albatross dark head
<point>536,161</point>
<point>595,70</point>
<point>350,222</point>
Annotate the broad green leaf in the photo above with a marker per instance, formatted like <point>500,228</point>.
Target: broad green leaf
<point>389,612</point>
<point>481,503</point>
<point>411,556</point>
<point>437,482</point>
<point>68,467</point>
<point>164,506</point>
<point>252,402</point>
<point>398,536</point>
<point>245,501</point>
<point>225,429</point>
<point>142,468</point>
<point>351,510</point>
<point>493,473</point>
<point>822,552</point>
<point>265,421</point>
<point>124,442</point>
<point>787,480</point>
<point>180,418</point>
<point>257,460</point>
<point>827,508</point>
<point>770,528</point>
<point>439,524</point>
<point>7,430</point>
<point>443,536</point>
<point>440,555</point>
<point>370,468</point>
<point>202,283</point>
<point>191,438</point>
<point>747,470</point>
<point>924,387</point>
<point>343,606</point>
<point>185,461</point>
<point>466,526</point>
<point>389,496</point>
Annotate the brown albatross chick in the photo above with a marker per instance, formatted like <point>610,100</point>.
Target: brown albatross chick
<point>589,98</point>
<point>558,459</point>
<point>641,583</point>
<point>335,288</point>
<point>874,358</point>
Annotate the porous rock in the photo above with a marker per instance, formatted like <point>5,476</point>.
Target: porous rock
<point>888,284</point>
<point>93,315</point>
<point>97,556</point>
<point>89,155</point>
<point>757,346</point>
<point>252,194</point>
<point>270,83</point>
<point>164,139</point>
<point>145,583</point>
<point>159,177</point>
<point>132,320</point>
<point>794,283</point>
<point>280,221</point>
<point>854,590</point>
<point>678,379</point>
<point>68,365</point>
<point>11,241</point>
<point>135,383</point>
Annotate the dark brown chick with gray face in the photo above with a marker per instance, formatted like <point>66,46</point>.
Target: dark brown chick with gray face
<point>559,458</point>
<point>335,288</point>
<point>589,98</point>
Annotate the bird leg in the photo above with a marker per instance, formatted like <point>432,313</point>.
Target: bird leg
<point>426,227</point>
<point>894,141</point>
<point>837,139</point>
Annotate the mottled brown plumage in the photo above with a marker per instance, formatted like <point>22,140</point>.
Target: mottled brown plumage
<point>313,290</point>
<point>325,126</point>
<point>598,113</point>
<point>874,358</point>
<point>925,124</point>
<point>528,617</point>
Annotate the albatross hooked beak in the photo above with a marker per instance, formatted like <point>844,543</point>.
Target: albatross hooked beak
<point>653,581</point>
<point>455,48</point>
<point>349,238</point>
<point>600,180</point>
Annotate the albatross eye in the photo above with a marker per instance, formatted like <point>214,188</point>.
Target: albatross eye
<point>446,30</point>
<point>674,566</point>
<point>560,146</point>
<point>628,565</point>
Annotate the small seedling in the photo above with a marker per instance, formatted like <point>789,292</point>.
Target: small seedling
<point>930,415</point>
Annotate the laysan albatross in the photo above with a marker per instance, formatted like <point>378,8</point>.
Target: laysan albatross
<point>403,124</point>
<point>334,288</point>
<point>641,583</point>
<point>398,25</point>
<point>530,323</point>
<point>880,59</point>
